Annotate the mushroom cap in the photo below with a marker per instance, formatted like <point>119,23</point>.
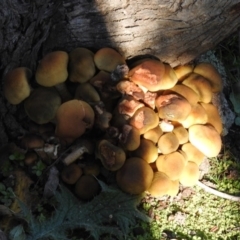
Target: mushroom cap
<point>149,99</point>
<point>111,156</point>
<point>107,59</point>
<point>198,115</point>
<point>147,150</point>
<point>185,92</point>
<point>144,119</point>
<point>91,169</point>
<point>200,85</point>
<point>160,185</point>
<point>81,65</point>
<point>213,116</point>
<point>71,173</point>
<point>192,153</point>
<point>182,71</point>
<point>181,134</point>
<point>42,104</point>
<point>73,118</point>
<point>135,176</point>
<point>174,188</point>
<point>206,139</point>
<point>208,71</point>
<point>16,85</point>
<point>86,92</point>
<point>153,134</point>
<point>31,141</point>
<point>52,69</point>
<point>130,138</point>
<point>168,143</point>
<point>190,174</point>
<point>148,73</point>
<point>171,164</point>
<point>172,107</point>
<point>87,187</point>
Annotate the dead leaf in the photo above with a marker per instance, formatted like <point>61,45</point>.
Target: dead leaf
<point>52,183</point>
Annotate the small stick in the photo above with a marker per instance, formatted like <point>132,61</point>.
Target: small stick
<point>74,155</point>
<point>217,193</point>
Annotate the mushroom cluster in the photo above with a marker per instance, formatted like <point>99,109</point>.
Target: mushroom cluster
<point>150,124</point>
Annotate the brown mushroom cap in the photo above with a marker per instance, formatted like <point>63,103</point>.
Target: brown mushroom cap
<point>107,59</point>
<point>213,116</point>
<point>71,173</point>
<point>87,93</point>
<point>168,143</point>
<point>173,107</point>
<point>160,185</point>
<point>190,174</point>
<point>197,115</point>
<point>91,169</point>
<point>171,164</point>
<point>73,118</point>
<point>185,92</point>
<point>81,65</point>
<point>52,69</point>
<point>153,134</point>
<point>87,187</point>
<point>181,134</point>
<point>16,85</point>
<point>148,73</point>
<point>208,71</point>
<point>182,71</point>
<point>42,104</point>
<point>192,153</point>
<point>135,176</point>
<point>144,119</point>
<point>206,139</point>
<point>149,99</point>
<point>31,141</point>
<point>130,137</point>
<point>111,156</point>
<point>147,150</point>
<point>200,85</point>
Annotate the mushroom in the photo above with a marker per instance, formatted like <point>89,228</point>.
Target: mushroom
<point>166,126</point>
<point>129,138</point>
<point>71,173</point>
<point>206,139</point>
<point>185,92</point>
<point>190,174</point>
<point>144,119</point>
<point>16,86</point>
<point>168,143</point>
<point>135,176</point>
<point>86,92</point>
<point>208,71</point>
<point>149,99</point>
<point>103,118</point>
<point>52,72</point>
<point>192,153</point>
<point>32,141</point>
<point>200,85</point>
<point>42,104</point>
<point>30,158</point>
<point>73,118</point>
<point>198,115</point>
<point>147,150</point>
<point>92,169</point>
<point>148,73</point>
<point>153,134</point>
<point>213,116</point>
<point>107,59</point>
<point>182,71</point>
<point>172,107</point>
<point>181,133</point>
<point>81,65</point>
<point>160,185</point>
<point>171,164</point>
<point>111,156</point>
<point>87,187</point>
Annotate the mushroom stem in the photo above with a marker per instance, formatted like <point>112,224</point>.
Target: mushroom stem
<point>217,193</point>
<point>75,154</point>
<point>63,92</point>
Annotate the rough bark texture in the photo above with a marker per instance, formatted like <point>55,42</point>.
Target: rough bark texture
<point>176,31</point>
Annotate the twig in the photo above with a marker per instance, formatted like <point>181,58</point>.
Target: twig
<point>217,193</point>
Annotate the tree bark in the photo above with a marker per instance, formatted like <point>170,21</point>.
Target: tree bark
<point>176,31</point>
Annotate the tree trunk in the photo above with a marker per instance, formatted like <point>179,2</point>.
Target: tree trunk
<point>176,31</point>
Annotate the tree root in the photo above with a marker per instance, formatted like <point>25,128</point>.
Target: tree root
<point>217,193</point>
